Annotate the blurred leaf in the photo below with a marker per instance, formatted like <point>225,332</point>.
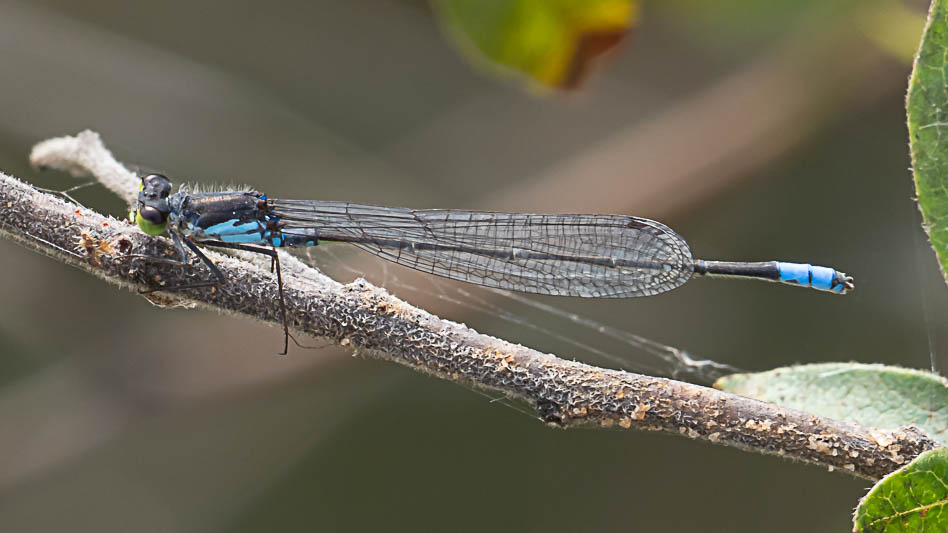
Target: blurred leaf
<point>869,395</point>
<point>551,42</point>
<point>893,27</point>
<point>927,108</point>
<point>912,498</point>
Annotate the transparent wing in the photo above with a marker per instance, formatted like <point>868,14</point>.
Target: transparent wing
<point>602,256</point>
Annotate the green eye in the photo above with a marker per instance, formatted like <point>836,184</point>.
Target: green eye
<point>151,220</point>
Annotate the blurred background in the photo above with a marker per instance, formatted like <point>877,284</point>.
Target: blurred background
<point>758,130</point>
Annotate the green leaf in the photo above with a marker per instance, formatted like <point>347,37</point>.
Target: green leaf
<point>927,108</point>
<point>551,42</point>
<point>912,498</point>
<point>869,395</point>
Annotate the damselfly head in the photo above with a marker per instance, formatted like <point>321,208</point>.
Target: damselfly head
<point>154,187</point>
<point>152,209</point>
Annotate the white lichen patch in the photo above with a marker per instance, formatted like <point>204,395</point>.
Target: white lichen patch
<point>758,425</point>
<point>882,437</point>
<point>819,444</point>
<point>640,410</point>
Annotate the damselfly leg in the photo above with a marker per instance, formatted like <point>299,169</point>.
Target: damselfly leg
<point>221,279</point>
<point>274,265</point>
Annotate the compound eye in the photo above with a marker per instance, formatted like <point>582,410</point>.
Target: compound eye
<point>153,215</point>
<point>156,186</point>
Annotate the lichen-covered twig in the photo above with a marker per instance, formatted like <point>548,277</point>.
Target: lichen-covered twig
<point>359,315</point>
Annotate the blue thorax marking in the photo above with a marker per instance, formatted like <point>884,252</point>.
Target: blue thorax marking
<point>246,238</point>
<point>234,231</point>
<point>234,227</point>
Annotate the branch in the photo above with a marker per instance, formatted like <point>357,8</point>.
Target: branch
<point>563,393</point>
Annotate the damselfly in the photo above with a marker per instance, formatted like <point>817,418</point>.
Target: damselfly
<point>595,256</point>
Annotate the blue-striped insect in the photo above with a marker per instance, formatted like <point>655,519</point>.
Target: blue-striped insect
<point>598,256</point>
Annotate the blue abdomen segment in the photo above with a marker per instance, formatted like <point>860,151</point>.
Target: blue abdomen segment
<point>299,237</point>
<point>295,238</point>
<point>817,277</point>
